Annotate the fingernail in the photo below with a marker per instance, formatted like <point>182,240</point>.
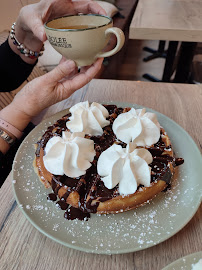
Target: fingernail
<point>70,63</point>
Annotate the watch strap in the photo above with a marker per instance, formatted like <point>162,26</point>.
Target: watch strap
<point>10,128</point>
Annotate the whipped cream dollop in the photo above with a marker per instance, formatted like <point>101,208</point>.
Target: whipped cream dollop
<point>127,167</point>
<point>70,154</point>
<point>89,119</point>
<point>137,125</point>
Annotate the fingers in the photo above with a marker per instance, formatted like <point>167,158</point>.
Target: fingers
<point>82,78</point>
<point>36,26</point>
<point>38,30</point>
<point>88,7</point>
<point>64,69</point>
<point>30,19</point>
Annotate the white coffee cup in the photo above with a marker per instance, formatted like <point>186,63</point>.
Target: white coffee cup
<point>82,38</point>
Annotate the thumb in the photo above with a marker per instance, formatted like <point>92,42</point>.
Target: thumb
<point>38,30</point>
<point>64,69</point>
<point>31,19</point>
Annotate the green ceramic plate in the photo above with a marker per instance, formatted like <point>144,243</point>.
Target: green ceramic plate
<point>120,233</point>
<point>185,263</point>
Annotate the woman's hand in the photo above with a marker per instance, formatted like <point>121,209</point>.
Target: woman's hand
<point>47,10</point>
<point>29,28</point>
<point>53,87</point>
<point>44,91</point>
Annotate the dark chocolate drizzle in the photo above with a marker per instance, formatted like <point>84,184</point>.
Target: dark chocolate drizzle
<point>89,186</point>
<point>62,204</point>
<point>179,161</point>
<point>52,197</point>
<point>75,213</point>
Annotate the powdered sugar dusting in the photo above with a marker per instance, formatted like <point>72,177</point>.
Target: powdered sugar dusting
<point>137,229</point>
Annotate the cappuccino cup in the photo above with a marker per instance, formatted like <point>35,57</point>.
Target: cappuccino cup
<point>82,38</point>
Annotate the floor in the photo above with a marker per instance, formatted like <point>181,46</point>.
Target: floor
<point>134,67</point>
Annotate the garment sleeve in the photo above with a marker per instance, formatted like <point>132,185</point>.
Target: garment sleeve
<point>13,70</point>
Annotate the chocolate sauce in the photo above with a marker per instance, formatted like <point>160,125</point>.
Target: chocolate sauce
<point>90,188</point>
<point>52,197</point>
<point>75,213</point>
<point>53,130</point>
<point>179,161</point>
<point>111,108</point>
<point>62,204</point>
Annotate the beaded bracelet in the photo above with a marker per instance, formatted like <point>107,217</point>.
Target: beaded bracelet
<point>21,47</point>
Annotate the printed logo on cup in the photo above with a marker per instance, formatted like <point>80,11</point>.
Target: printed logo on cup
<point>59,42</point>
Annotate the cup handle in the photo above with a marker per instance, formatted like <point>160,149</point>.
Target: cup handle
<point>120,41</point>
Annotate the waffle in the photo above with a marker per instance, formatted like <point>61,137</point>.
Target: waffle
<point>88,193</point>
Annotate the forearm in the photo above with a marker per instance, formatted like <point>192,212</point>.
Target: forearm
<point>6,160</point>
<point>17,119</point>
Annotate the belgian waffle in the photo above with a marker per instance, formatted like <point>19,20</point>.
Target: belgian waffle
<point>87,192</point>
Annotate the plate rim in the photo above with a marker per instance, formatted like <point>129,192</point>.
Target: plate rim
<point>167,267</point>
<point>113,251</point>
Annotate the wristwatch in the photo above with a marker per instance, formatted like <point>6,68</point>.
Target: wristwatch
<point>6,137</point>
